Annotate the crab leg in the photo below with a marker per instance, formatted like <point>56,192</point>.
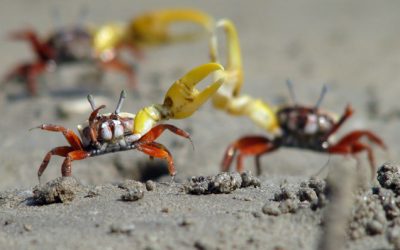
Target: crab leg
<point>157,150</point>
<point>41,49</point>
<point>72,156</point>
<point>60,151</point>
<point>29,73</point>
<point>155,132</point>
<point>350,144</point>
<point>247,146</point>
<point>346,115</point>
<point>122,67</point>
<point>69,135</point>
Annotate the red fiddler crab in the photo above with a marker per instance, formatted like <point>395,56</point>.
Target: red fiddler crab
<point>293,126</point>
<point>119,131</point>
<point>306,128</point>
<point>63,46</point>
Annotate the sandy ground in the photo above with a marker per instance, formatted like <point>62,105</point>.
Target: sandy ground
<point>352,47</point>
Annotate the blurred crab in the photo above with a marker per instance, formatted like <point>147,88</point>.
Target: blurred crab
<point>152,28</point>
<point>63,46</point>
<point>120,131</point>
<point>293,126</point>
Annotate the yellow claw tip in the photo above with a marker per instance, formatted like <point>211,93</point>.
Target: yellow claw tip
<point>209,67</point>
<point>182,99</point>
<point>197,74</point>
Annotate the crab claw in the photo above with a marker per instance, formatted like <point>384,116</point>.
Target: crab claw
<point>183,99</point>
<point>108,37</point>
<point>233,73</point>
<point>153,28</point>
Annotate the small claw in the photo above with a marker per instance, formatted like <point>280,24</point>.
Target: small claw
<point>183,99</point>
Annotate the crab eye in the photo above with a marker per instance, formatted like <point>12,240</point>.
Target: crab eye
<point>106,133</point>
<point>311,125</point>
<point>128,124</point>
<point>324,123</point>
<point>118,129</point>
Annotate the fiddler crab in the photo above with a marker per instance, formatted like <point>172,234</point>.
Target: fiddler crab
<point>151,28</point>
<point>120,131</point>
<point>63,46</point>
<point>294,126</point>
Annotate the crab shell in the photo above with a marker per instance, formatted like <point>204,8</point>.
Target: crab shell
<point>306,121</point>
<point>105,132</point>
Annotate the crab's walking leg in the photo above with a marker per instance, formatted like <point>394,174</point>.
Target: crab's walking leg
<point>32,74</point>
<point>346,115</point>
<point>155,132</point>
<point>356,135</point>
<point>72,156</point>
<point>29,73</point>
<point>350,144</point>
<point>122,67</point>
<point>71,137</point>
<point>157,150</point>
<point>247,146</point>
<point>60,151</point>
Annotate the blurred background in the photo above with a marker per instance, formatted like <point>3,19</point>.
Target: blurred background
<point>353,47</point>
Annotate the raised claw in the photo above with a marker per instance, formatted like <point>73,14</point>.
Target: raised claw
<point>228,97</point>
<point>183,99</point>
<point>153,27</point>
<point>233,73</point>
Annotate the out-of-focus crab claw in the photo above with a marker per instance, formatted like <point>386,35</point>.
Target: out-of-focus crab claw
<point>108,37</point>
<point>183,99</point>
<point>233,73</point>
<point>153,27</point>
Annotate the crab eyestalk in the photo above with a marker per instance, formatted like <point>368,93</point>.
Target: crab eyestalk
<point>120,102</point>
<point>181,100</point>
<point>91,102</point>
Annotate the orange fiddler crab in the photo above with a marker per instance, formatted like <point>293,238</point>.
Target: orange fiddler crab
<point>120,131</point>
<point>295,126</point>
<point>152,28</point>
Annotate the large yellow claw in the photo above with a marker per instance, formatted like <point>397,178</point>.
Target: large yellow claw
<point>181,101</point>
<point>228,97</point>
<point>153,28</point>
<point>233,73</point>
